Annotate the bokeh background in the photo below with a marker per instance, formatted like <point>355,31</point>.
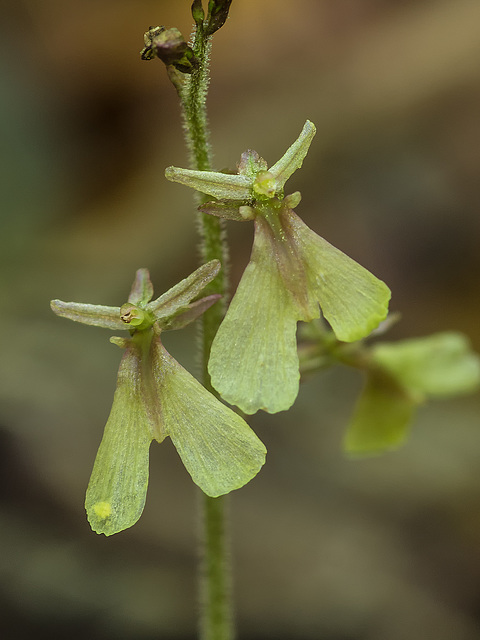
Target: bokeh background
<point>324,547</point>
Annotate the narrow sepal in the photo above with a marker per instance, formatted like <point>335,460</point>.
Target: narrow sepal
<point>193,311</point>
<point>217,447</point>
<point>218,185</point>
<point>294,156</point>
<point>381,418</point>
<point>226,209</point>
<point>253,362</point>
<point>142,288</point>
<point>352,299</point>
<point>442,364</point>
<point>185,291</point>
<point>118,485</point>
<point>92,314</point>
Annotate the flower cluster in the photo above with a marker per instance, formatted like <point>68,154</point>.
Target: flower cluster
<point>292,273</point>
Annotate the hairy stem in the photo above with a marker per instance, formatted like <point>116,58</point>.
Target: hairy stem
<point>215,570</point>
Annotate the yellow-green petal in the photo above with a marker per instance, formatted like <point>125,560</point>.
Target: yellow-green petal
<point>219,185</point>
<point>294,156</point>
<point>179,296</point>
<point>254,362</point>
<point>142,288</point>
<point>95,315</point>
<point>118,485</point>
<point>442,364</point>
<point>352,299</point>
<point>217,447</point>
<point>381,418</point>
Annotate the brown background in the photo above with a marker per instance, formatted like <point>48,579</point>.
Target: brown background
<point>324,547</point>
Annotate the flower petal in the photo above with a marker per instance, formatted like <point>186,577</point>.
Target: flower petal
<point>381,418</point>
<point>190,313</point>
<point>142,288</point>
<point>226,209</point>
<point>250,164</point>
<point>185,291</point>
<point>294,156</point>
<point>216,445</point>
<point>438,365</point>
<point>219,185</point>
<point>253,361</point>
<point>118,485</point>
<point>352,299</point>
<point>93,314</point>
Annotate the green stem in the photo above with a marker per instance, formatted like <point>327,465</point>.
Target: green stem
<point>215,569</point>
<point>216,619</point>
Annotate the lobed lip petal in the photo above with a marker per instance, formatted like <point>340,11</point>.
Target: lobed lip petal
<point>217,447</point>
<point>156,398</point>
<point>352,299</point>
<point>117,489</point>
<point>254,361</point>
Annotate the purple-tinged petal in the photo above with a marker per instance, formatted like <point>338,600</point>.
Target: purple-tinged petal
<point>142,288</point>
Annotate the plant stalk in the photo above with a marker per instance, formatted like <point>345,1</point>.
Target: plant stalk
<point>216,619</point>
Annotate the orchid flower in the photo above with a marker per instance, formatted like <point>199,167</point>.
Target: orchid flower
<point>155,398</point>
<point>401,376</point>
<point>292,273</point>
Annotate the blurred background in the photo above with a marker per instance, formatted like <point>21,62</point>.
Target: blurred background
<point>323,547</point>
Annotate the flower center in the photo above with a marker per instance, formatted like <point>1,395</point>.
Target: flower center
<point>135,317</point>
<point>265,184</point>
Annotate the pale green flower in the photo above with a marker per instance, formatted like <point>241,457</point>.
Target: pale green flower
<point>400,377</point>
<point>155,398</point>
<point>292,270</point>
